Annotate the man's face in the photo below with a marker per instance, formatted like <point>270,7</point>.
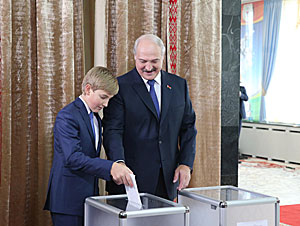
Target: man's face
<point>148,59</point>
<point>96,100</point>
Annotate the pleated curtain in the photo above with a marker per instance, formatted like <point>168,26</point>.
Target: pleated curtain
<point>41,71</point>
<point>199,61</point>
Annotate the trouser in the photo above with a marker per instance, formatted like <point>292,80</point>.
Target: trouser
<point>59,219</point>
<point>161,190</point>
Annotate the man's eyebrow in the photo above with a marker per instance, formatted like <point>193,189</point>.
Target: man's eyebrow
<point>149,60</point>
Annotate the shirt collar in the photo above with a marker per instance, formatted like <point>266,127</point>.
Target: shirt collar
<point>85,104</point>
<point>157,79</point>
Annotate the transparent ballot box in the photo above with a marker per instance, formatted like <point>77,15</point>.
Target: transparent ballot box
<point>115,210</point>
<point>229,206</point>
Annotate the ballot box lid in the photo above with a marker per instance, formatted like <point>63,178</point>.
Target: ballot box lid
<point>151,205</point>
<point>229,195</point>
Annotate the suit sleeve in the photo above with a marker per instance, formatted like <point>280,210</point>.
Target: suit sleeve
<point>113,128</point>
<point>244,95</point>
<point>68,141</point>
<point>187,135</point>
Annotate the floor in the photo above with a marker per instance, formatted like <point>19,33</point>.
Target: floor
<point>273,178</point>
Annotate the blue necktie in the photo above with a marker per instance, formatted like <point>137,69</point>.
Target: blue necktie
<point>153,96</point>
<point>92,122</point>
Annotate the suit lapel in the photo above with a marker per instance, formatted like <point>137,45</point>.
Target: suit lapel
<point>86,118</point>
<point>166,94</point>
<point>139,86</point>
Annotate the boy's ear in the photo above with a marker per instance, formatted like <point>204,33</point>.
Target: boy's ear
<point>87,89</point>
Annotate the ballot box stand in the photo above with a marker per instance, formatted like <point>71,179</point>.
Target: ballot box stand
<point>229,206</point>
<point>114,210</point>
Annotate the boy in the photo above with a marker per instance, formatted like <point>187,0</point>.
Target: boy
<point>77,142</point>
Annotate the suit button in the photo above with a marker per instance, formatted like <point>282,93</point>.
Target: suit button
<point>160,142</point>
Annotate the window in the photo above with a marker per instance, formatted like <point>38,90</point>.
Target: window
<point>280,75</point>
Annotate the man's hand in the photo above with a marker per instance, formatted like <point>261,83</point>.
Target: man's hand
<point>121,174</point>
<point>183,173</point>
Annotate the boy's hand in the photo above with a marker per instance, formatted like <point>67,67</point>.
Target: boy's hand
<point>121,174</point>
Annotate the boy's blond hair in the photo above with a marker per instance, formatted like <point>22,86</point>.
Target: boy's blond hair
<point>101,78</point>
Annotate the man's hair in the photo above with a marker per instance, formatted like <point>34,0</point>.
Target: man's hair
<point>153,38</point>
<point>101,78</point>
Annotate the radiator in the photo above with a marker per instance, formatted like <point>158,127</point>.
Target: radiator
<point>270,141</point>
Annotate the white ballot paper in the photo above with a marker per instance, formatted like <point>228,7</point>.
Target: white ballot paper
<point>134,200</point>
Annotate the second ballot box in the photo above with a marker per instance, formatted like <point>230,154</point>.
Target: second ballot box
<point>229,206</point>
<point>115,210</point>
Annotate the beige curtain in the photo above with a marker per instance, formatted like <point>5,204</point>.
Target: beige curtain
<point>194,28</point>
<point>41,71</point>
<point>199,61</point>
<point>126,21</point>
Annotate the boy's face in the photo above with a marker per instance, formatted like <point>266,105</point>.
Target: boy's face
<point>97,99</point>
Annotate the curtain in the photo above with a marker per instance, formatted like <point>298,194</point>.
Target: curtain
<point>271,25</point>
<point>41,71</point>
<point>199,61</point>
<point>191,31</point>
<point>283,89</point>
<point>123,29</point>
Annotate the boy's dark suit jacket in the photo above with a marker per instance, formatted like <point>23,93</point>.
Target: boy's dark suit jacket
<point>76,163</point>
<point>133,133</point>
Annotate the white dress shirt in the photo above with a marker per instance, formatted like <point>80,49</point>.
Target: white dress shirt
<point>96,125</point>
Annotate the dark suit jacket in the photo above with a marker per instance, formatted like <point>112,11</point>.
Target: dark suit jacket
<point>76,163</point>
<point>133,132</point>
<point>243,97</point>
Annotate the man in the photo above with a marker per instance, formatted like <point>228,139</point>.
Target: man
<point>242,114</point>
<point>243,97</point>
<point>77,142</point>
<point>151,127</point>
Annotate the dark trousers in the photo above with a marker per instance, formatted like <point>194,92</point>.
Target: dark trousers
<point>59,219</point>
<point>161,190</point>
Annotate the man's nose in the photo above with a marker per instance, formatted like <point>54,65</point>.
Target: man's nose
<point>148,66</point>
